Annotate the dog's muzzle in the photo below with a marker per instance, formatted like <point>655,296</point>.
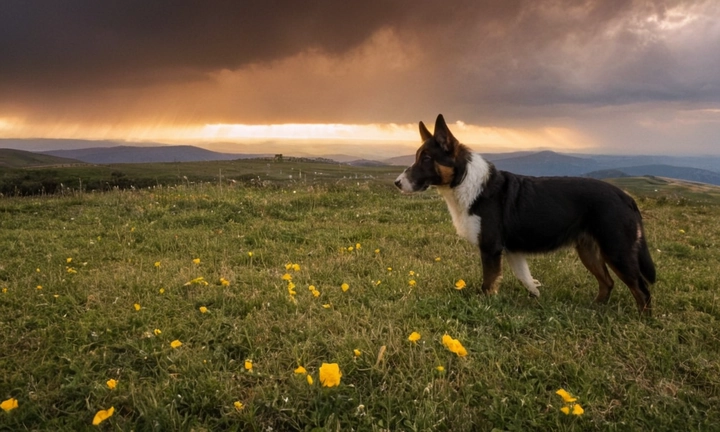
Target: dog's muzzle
<point>404,184</point>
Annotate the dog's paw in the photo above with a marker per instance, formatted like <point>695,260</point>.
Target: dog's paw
<point>534,292</point>
<point>537,282</point>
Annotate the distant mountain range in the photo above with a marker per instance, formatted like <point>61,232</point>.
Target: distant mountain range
<point>543,163</point>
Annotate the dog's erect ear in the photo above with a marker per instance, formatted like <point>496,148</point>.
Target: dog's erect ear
<point>443,135</point>
<point>424,132</point>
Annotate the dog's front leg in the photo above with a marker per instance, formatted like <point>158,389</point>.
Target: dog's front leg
<point>492,270</point>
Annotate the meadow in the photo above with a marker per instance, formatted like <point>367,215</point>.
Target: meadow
<point>97,287</point>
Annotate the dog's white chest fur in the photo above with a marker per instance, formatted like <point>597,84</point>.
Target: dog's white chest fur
<point>460,198</point>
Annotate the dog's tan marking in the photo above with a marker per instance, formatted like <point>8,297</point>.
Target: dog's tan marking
<point>446,173</point>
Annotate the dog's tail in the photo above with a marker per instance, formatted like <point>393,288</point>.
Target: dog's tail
<point>647,268</point>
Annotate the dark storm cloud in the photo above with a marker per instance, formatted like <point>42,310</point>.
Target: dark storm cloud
<point>487,57</point>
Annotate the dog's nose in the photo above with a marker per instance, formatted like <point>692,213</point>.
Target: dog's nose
<point>397,183</point>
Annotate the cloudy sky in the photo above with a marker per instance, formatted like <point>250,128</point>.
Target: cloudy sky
<point>589,76</point>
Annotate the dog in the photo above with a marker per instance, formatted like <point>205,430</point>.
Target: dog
<point>501,212</point>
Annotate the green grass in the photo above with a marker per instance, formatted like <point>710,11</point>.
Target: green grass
<point>60,344</point>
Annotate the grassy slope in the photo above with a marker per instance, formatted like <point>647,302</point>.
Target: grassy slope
<point>60,344</point>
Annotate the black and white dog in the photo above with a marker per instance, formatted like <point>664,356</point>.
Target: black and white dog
<point>503,212</point>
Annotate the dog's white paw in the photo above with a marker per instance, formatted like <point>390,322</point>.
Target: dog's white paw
<point>534,292</point>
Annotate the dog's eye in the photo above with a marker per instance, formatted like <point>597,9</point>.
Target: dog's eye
<point>426,157</point>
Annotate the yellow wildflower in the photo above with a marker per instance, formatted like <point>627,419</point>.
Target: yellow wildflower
<point>238,405</point>
<point>377,251</point>
<point>389,268</point>
<point>327,306</point>
<point>197,281</point>
<point>157,263</point>
<point>309,380</point>
<point>39,287</point>
<point>300,370</point>
<point>454,345</point>
<point>357,352</point>
<point>357,245</point>
<point>330,374</point>
<point>288,266</point>
<point>68,260</point>
<point>250,254</point>
<point>350,248</point>
<point>248,365</point>
<point>224,282</point>
<point>291,289</point>
<point>682,231</point>
<point>296,267</point>
<point>9,404</point>
<point>438,259</point>
<point>71,270</point>
<point>157,332</point>
<point>196,261</point>
<point>4,290</point>
<point>565,395</point>
<point>111,383</point>
<point>412,282</point>
<point>203,309</point>
<point>315,293</point>
<point>565,409</point>
<point>460,284</point>
<point>286,277</point>
<point>137,306</point>
<point>414,337</point>
<point>103,415</point>
<point>176,343</point>
<point>577,410</point>
<point>345,287</point>
<point>162,290</point>
<point>440,368</point>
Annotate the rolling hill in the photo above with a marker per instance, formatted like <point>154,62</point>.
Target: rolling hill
<point>155,154</point>
<point>10,158</point>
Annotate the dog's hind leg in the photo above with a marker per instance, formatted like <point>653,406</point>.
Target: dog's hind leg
<point>592,259</point>
<point>519,266</point>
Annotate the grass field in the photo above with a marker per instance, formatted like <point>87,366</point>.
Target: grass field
<point>96,287</point>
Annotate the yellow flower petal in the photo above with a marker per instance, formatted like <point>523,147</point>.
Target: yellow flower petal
<point>330,374</point>
<point>414,337</point>
<point>300,370</point>
<point>111,383</point>
<point>157,263</point>
<point>9,404</point>
<point>69,260</point>
<point>248,365</point>
<point>412,282</point>
<point>137,306</point>
<point>438,259</point>
<point>288,266</point>
<point>565,395</point>
<point>327,306</point>
<point>157,332</point>
<point>162,290</point>
<point>309,380</point>
<point>454,345</point>
<point>377,251</point>
<point>357,352</point>
<point>196,261</point>
<point>103,415</point>
<point>565,409</point>
<point>460,284</point>
<point>296,267</point>
<point>238,405</point>
<point>203,309</point>
<point>345,287</point>
<point>250,254</point>
<point>357,245</point>
<point>577,410</point>
<point>440,368</point>
<point>176,343</point>
<point>286,277</point>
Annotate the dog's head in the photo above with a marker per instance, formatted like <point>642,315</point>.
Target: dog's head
<point>440,160</point>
